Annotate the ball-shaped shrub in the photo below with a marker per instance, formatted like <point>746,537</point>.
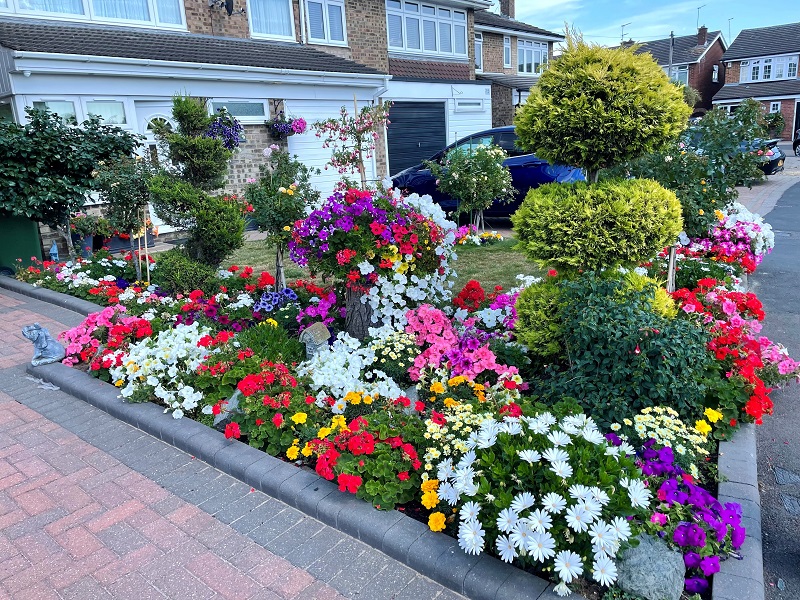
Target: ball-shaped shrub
<point>596,107</point>
<point>176,272</point>
<point>538,324</point>
<point>591,227</point>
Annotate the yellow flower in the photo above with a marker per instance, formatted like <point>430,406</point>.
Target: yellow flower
<point>293,452</point>
<point>430,486</point>
<point>352,398</point>
<point>437,387</point>
<point>307,451</point>
<point>627,422</point>
<point>430,499</point>
<point>456,381</point>
<point>287,228</point>
<point>339,422</point>
<point>436,521</point>
<point>323,432</point>
<point>299,418</point>
<point>450,403</point>
<point>367,399</point>
<point>119,383</point>
<point>271,322</point>
<point>713,415</point>
<point>290,192</point>
<point>701,211</point>
<point>702,182</point>
<point>702,427</point>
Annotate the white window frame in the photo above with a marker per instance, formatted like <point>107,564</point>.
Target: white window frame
<point>244,120</point>
<point>507,52</point>
<point>130,114</point>
<point>779,68</point>
<point>292,37</point>
<point>715,74</point>
<point>469,105</point>
<point>524,46</point>
<point>438,18</point>
<point>478,52</point>
<point>775,107</point>
<point>327,23</point>
<point>679,73</point>
<point>90,15</point>
<point>76,103</point>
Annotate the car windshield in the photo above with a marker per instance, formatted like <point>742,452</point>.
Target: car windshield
<point>469,144</point>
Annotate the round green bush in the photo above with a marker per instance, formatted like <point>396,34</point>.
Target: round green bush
<point>175,271</point>
<point>218,230</point>
<point>538,324</point>
<point>616,222</point>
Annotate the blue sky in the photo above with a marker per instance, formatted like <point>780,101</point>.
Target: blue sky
<point>600,20</point>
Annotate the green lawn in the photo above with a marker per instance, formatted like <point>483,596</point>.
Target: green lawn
<point>498,264</point>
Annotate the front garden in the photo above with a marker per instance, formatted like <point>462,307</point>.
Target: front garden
<point>554,407</point>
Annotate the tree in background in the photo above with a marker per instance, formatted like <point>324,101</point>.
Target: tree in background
<point>46,165</point>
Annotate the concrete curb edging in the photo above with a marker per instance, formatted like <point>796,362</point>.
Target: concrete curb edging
<point>433,555</point>
<point>83,307</point>
<point>738,472</point>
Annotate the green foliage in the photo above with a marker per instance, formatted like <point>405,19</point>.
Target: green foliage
<point>124,188</point>
<point>775,123</point>
<point>274,209</point>
<point>46,165</point>
<point>595,107</point>
<point>175,201</point>
<point>272,343</point>
<point>476,177</point>
<point>603,225</point>
<point>538,323</point>
<point>176,272</point>
<point>617,594</point>
<point>217,231</point>
<point>691,96</point>
<point>623,357</point>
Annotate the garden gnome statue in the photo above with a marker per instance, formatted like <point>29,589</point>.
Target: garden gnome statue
<point>45,349</point>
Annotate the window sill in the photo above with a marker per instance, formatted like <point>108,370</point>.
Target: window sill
<point>427,56</point>
<point>273,38</point>
<point>313,42</point>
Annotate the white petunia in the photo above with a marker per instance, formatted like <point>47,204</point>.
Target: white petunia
<point>470,511</point>
<point>555,455</point>
<point>470,537</point>
<point>568,565</point>
<point>529,456</point>
<point>562,469</point>
<point>505,548</point>
<point>578,519</point>
<point>604,571</point>
<point>540,520</point>
<point>507,520</point>
<point>553,503</point>
<point>541,546</point>
<point>522,501</point>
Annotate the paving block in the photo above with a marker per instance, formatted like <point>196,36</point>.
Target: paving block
<point>521,586</point>
<point>255,471</point>
<point>734,586</point>
<point>424,554</point>
<point>485,578</point>
<point>235,459</point>
<point>308,499</point>
<point>291,487</point>
<point>398,539</point>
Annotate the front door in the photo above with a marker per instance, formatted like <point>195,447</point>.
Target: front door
<point>148,114</point>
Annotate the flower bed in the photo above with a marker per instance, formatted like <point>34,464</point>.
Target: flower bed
<point>442,411</point>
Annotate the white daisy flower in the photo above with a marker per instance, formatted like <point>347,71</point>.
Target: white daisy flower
<point>505,548</point>
<point>511,427</point>
<point>470,537</point>
<point>538,426</point>
<point>541,545</point>
<point>600,496</point>
<point>522,501</point>
<point>547,418</point>
<point>592,506</point>
<point>559,438</point>
<point>603,536</point>
<point>578,519</point>
<point>579,492</point>
<point>507,520</point>
<point>553,503</point>
<point>540,520</point>
<point>626,448</point>
<point>521,534</point>
<point>470,511</point>
<point>638,494</point>
<point>562,469</point>
<point>604,571</point>
<point>562,590</point>
<point>568,565</point>
<point>593,436</point>
<point>621,528</point>
<point>448,493</point>
<point>445,469</point>
<point>530,456</point>
<point>555,455</point>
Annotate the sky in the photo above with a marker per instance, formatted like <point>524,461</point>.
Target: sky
<point>600,21</point>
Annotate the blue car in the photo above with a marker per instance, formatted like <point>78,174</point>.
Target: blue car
<point>527,172</point>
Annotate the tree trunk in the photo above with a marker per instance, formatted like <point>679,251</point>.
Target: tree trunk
<point>67,235</point>
<point>280,275</point>
<point>137,263</point>
<point>358,318</point>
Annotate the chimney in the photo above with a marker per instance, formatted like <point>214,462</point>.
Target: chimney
<point>702,36</point>
<point>507,8</point>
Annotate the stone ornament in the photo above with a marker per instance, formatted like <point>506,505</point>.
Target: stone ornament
<point>46,350</point>
<point>315,337</point>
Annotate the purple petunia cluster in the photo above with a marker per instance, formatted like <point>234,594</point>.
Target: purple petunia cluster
<point>271,301</point>
<point>226,128</point>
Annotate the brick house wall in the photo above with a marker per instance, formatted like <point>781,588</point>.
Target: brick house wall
<point>200,18</point>
<point>733,72</point>
<point>700,75</point>
<point>787,110</point>
<point>502,105</point>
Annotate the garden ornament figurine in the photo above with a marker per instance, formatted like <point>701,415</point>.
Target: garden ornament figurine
<point>46,350</point>
<point>315,337</point>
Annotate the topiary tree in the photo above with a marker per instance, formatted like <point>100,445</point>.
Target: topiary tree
<point>46,165</point>
<point>616,222</point>
<point>595,107</point>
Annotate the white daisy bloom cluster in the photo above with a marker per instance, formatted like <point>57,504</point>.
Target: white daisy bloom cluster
<point>347,366</point>
<point>558,525</point>
<point>157,365</point>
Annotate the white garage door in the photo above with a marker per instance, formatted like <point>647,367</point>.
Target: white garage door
<point>308,147</point>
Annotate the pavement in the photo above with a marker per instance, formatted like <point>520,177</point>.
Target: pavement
<point>776,283</point>
<point>92,508</point>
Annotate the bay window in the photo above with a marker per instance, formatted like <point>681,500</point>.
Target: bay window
<point>326,23</point>
<point>424,28</point>
<point>271,18</point>
<point>531,56</point>
<point>159,13</point>
<point>768,69</point>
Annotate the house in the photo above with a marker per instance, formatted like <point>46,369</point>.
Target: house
<point>510,55</point>
<point>762,64</point>
<point>696,61</point>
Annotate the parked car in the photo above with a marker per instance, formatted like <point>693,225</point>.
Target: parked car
<point>527,171</point>
<point>774,157</point>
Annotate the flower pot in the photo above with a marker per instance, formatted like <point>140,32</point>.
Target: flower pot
<point>117,244</point>
<point>83,245</point>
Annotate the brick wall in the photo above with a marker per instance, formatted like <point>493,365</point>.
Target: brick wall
<point>732,72</point>
<point>366,33</point>
<point>700,75</point>
<point>471,42</point>
<point>787,110</point>
<point>493,53</point>
<point>200,18</point>
<point>502,105</point>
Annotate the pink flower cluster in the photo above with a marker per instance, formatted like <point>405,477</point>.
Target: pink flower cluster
<point>81,340</point>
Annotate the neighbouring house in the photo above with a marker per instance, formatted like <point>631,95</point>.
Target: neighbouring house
<point>696,61</point>
<point>510,55</point>
<point>762,64</point>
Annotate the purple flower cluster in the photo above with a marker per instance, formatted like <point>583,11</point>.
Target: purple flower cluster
<point>271,301</point>
<point>226,128</point>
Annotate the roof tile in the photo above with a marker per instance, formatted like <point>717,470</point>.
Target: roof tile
<point>765,41</point>
<point>484,17</point>
<point>684,51</point>
<point>421,69</point>
<point>735,91</point>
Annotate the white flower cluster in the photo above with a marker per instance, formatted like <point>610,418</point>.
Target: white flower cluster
<point>158,364</point>
<point>346,366</point>
<point>762,238</point>
<point>526,524</point>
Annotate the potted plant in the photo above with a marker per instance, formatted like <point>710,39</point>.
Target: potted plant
<point>82,230</point>
<point>282,126</point>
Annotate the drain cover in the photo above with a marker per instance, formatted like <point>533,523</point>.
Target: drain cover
<point>784,477</point>
<point>791,504</point>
